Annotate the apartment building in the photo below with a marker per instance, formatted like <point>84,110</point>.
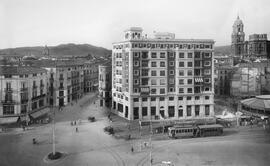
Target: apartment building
<point>23,93</point>
<point>105,83</point>
<point>162,77</point>
<point>90,76</point>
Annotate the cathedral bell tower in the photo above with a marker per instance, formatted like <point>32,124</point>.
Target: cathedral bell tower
<point>238,38</point>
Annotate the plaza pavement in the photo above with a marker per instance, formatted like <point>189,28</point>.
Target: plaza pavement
<point>91,146</point>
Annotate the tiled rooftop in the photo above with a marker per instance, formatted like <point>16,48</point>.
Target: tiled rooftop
<point>19,70</point>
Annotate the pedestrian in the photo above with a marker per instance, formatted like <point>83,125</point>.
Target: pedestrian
<point>77,129</point>
<point>71,123</point>
<point>75,122</point>
<point>251,123</point>
<point>132,149</point>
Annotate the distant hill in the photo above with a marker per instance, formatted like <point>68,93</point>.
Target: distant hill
<point>225,50</point>
<point>60,50</point>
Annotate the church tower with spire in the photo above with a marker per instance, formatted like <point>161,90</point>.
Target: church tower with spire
<point>238,38</point>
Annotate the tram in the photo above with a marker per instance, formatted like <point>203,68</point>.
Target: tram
<point>195,131</point>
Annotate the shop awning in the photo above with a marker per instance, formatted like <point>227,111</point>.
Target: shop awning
<point>40,113</point>
<point>7,120</point>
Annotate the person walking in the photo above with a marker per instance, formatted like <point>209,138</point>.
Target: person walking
<point>132,149</point>
<point>77,130</point>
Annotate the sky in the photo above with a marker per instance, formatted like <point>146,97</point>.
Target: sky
<point>102,22</point>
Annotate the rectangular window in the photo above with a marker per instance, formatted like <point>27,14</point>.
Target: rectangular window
<point>144,99</point>
<point>181,72</point>
<point>161,99</point>
<point>136,72</point>
<point>197,55</point>
<point>181,64</point>
<point>135,99</point>
<point>136,63</point>
<point>190,55</point>
<point>162,64</point>
<point>153,64</point>
<point>153,99</point>
<point>189,98</point>
<point>171,89</point>
<point>144,72</point>
<point>153,73</point>
<point>162,73</point>
<point>171,111</point>
<point>171,80</point>
<point>206,97</point>
<point>207,63</point>
<point>207,72</point>
<point>144,111</point>
<point>181,55</point>
<point>189,73</point>
<point>207,80</point>
<point>207,55</point>
<point>162,91</point>
<point>180,112</point>
<point>136,82</point>
<point>153,55</point>
<point>162,82</point>
<point>197,97</point>
<point>197,63</point>
<point>207,110</point>
<point>181,90</point>
<point>188,110</point>
<point>171,63</point>
<point>190,64</point>
<point>171,72</point>
<point>189,81</point>
<point>153,111</point>
<point>189,90</point>
<point>180,98</point>
<point>136,90</point>
<point>197,110</point>
<point>162,55</point>
<point>171,98</point>
<point>144,81</point>
<point>153,91</point>
<point>181,81</point>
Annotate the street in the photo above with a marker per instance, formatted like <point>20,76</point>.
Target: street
<point>92,146</point>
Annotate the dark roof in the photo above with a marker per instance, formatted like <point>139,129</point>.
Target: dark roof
<point>19,70</point>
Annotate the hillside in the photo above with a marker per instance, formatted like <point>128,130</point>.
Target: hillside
<point>223,50</point>
<point>60,50</point>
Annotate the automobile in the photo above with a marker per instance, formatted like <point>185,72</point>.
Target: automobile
<point>109,129</point>
<point>91,119</point>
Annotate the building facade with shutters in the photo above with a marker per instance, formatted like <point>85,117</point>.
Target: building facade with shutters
<point>162,77</point>
<point>23,92</point>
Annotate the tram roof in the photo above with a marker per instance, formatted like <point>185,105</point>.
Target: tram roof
<point>210,126</point>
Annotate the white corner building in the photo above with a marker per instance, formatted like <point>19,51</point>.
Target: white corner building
<point>162,77</point>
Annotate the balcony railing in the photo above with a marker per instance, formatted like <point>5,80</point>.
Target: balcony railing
<point>24,89</point>
<point>61,87</point>
<point>8,89</point>
<point>9,102</point>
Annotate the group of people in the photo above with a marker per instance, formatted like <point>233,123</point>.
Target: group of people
<point>74,123</point>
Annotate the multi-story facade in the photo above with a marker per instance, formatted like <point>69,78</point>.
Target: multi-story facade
<point>105,84</point>
<point>23,92</point>
<point>90,76</point>
<point>162,77</point>
<point>258,46</point>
